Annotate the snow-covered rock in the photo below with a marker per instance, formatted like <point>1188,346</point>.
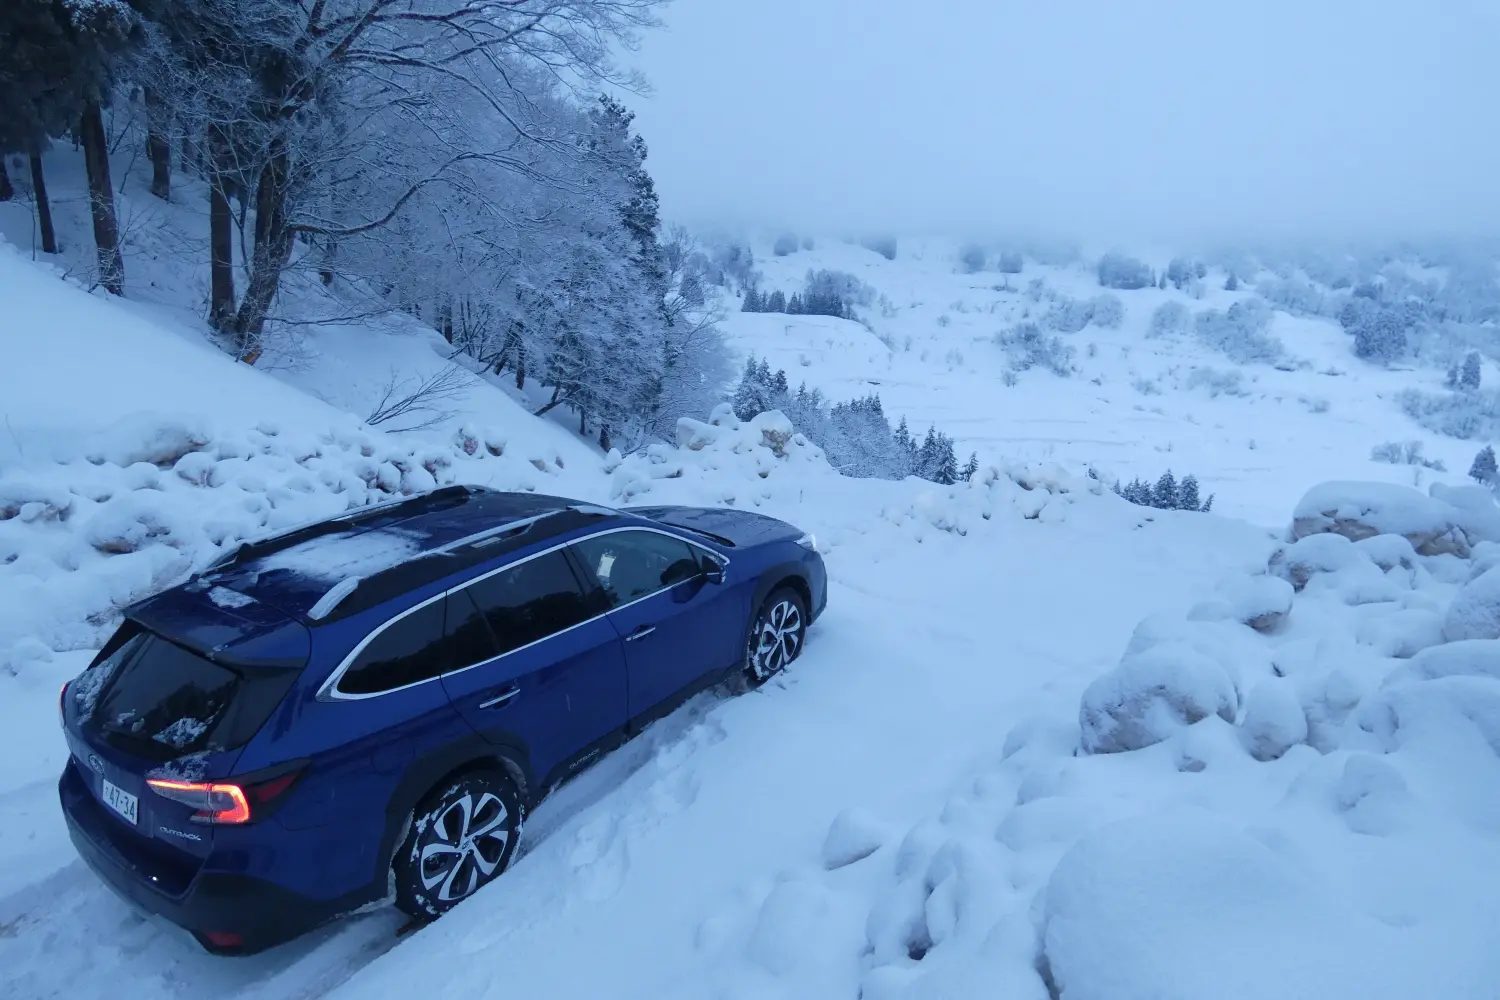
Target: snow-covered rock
<point>1152,695</point>
<point>1262,602</point>
<point>1475,611</point>
<point>1274,721</point>
<point>1466,658</point>
<point>1362,510</point>
<point>1319,553</point>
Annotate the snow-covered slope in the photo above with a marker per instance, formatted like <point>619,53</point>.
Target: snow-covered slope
<point>1255,435</point>
<point>1043,743</point>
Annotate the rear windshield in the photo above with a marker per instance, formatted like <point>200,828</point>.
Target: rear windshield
<point>163,701</point>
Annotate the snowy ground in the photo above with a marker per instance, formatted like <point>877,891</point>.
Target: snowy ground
<point>909,812</point>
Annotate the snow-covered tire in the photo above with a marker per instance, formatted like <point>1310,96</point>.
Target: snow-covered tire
<point>461,837</point>
<point>777,634</point>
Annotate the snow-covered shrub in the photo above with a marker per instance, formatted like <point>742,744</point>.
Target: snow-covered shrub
<point>1463,415</point>
<point>1241,332</point>
<point>1069,315</point>
<point>972,257</point>
<point>785,244</point>
<point>1151,695</point>
<point>1107,311</point>
<point>1404,453</point>
<point>1360,510</point>
<point>1169,320</point>
<point>1298,296</point>
<point>1026,346</point>
<point>1217,381</point>
<point>1117,270</point>
<point>1010,262</point>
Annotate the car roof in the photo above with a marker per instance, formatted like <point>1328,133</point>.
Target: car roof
<point>336,567</point>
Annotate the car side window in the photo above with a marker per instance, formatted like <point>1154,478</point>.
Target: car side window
<point>631,564</point>
<point>405,652</point>
<point>530,601</point>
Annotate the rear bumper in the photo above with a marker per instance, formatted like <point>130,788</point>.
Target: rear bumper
<point>260,913</point>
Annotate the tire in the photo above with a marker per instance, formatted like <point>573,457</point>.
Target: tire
<point>461,837</point>
<point>777,634</point>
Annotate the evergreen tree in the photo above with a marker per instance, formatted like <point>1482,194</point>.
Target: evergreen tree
<point>971,467</point>
<point>752,302</point>
<point>777,302</point>
<point>746,397</point>
<point>1208,504</point>
<point>1187,494</point>
<point>778,384</point>
<point>1450,381</point>
<point>794,305</point>
<point>1483,470</point>
<point>1468,376</point>
<point>1232,283</point>
<point>1165,494</point>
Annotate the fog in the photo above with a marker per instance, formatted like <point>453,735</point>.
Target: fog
<point>1097,120</point>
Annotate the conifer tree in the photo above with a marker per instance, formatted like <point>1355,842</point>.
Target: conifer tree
<point>1483,470</point>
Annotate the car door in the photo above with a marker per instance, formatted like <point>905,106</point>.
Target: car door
<point>542,667</point>
<point>679,621</point>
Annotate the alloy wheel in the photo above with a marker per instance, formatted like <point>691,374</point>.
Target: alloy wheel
<point>776,639</point>
<point>463,846</point>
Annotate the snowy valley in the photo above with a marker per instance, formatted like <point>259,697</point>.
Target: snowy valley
<point>1070,727</point>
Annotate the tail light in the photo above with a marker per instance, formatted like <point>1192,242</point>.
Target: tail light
<point>222,801</point>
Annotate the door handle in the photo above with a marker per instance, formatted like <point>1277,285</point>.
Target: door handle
<point>640,633</point>
<point>502,699</point>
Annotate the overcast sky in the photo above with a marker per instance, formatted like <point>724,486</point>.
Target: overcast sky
<point>1102,119</point>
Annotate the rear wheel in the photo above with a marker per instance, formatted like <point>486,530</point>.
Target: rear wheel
<point>461,837</point>
<point>776,635</point>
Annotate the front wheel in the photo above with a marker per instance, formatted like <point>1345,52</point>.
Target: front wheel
<point>462,836</point>
<point>776,635</point>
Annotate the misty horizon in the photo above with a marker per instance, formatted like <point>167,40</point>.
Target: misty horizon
<point>1078,121</point>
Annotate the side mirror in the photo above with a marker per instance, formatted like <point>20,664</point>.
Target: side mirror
<point>714,574</point>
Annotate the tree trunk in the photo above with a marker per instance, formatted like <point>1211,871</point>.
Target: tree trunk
<point>158,148</point>
<point>445,321</point>
<point>102,199</point>
<point>43,205</point>
<point>273,248</point>
<point>7,190</point>
<point>220,235</point>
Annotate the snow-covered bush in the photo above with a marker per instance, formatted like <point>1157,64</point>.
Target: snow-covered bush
<point>786,243</point>
<point>1068,315</point>
<point>1299,296</point>
<point>1217,381</point>
<point>972,257</point>
<point>1151,695</point>
<point>1405,453</point>
<point>1170,319</point>
<point>1241,332</point>
<point>1117,270</point>
<point>1026,346</point>
<point>1464,415</point>
<point>1010,262</point>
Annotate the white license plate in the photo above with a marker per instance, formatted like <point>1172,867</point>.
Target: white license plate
<point>119,799</point>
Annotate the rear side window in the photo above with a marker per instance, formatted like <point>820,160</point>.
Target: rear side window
<point>530,601</point>
<point>405,652</point>
<point>632,564</point>
<point>161,700</point>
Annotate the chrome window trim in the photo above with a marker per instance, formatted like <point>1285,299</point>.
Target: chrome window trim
<point>328,690</point>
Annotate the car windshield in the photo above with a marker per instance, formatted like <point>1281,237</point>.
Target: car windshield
<point>163,701</point>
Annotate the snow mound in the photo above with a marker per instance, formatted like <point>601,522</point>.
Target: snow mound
<point>854,836</point>
<point>1261,602</point>
<point>1362,510</point>
<point>1186,905</point>
<point>1274,720</point>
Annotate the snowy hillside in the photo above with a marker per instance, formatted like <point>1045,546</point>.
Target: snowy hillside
<point>1136,402</point>
<point>1044,742</point>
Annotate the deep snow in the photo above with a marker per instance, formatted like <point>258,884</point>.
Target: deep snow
<point>1302,804</point>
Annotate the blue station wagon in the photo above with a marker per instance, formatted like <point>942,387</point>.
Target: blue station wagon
<point>363,709</point>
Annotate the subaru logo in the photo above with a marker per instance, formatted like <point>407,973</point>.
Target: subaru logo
<point>96,764</point>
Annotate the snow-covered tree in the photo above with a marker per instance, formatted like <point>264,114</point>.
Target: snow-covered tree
<point>1164,495</point>
<point>971,467</point>
<point>1468,376</point>
<point>972,257</point>
<point>1484,470</point>
<point>1119,271</point>
<point>1187,494</point>
<point>785,244</point>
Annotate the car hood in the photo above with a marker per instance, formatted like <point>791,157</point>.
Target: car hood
<point>740,527</point>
